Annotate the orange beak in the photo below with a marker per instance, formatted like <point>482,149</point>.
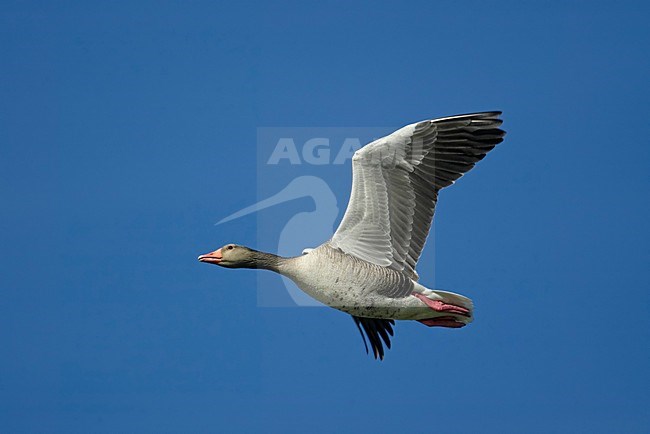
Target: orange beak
<point>212,257</point>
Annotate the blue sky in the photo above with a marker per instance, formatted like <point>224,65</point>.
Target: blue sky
<point>128,129</point>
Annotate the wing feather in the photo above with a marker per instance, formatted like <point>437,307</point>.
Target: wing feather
<point>377,330</point>
<point>396,181</point>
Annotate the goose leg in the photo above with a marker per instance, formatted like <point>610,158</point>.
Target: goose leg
<point>440,306</point>
<point>443,321</point>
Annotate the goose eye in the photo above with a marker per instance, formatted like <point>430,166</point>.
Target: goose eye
<point>230,247</point>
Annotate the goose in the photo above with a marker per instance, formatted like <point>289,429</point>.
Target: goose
<point>367,268</point>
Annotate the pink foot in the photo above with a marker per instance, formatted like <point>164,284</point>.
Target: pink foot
<point>443,321</point>
<point>439,306</point>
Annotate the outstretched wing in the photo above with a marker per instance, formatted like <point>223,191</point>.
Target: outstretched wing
<point>377,330</point>
<point>395,184</point>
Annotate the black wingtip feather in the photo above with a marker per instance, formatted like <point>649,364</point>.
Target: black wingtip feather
<point>377,330</point>
<point>358,324</point>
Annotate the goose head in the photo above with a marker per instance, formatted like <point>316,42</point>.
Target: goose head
<point>231,256</point>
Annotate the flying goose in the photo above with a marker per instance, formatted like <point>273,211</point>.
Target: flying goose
<point>367,268</point>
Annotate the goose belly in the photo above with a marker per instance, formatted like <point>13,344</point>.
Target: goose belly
<point>332,287</point>
<point>351,286</point>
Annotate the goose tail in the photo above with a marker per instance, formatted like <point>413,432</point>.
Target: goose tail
<point>453,298</point>
<point>449,309</point>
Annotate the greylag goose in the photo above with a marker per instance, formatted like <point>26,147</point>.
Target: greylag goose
<point>367,268</point>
